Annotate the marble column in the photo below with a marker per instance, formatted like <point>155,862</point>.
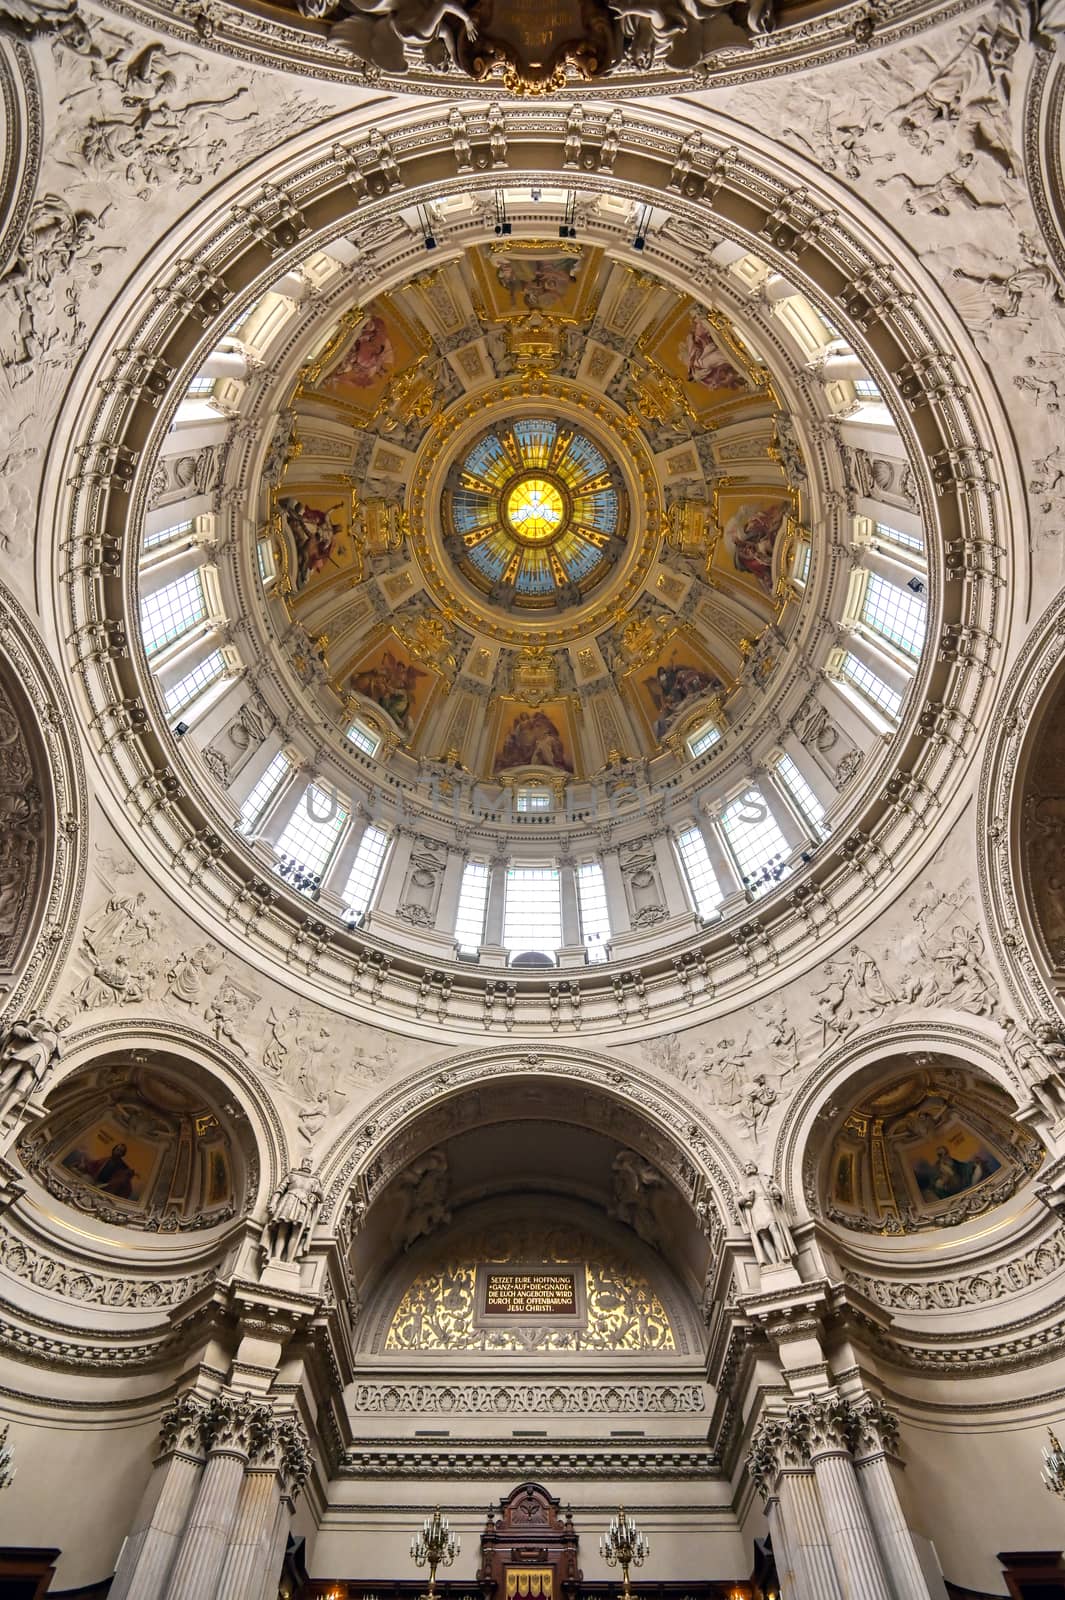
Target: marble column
<point>826,1426</point>
<point>149,1551</point>
<point>877,1442</point>
<point>233,1425</point>
<point>812,1554</point>
<point>252,1565</point>
<point>779,1469</point>
<point>854,1547</point>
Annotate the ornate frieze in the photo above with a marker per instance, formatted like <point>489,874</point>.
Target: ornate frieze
<point>990,1284</point>
<point>532,1399</point>
<point>566,1458</point>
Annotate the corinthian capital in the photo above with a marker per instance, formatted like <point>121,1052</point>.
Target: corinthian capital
<point>236,1423</point>
<point>876,1427</point>
<point>820,1425</point>
<point>181,1426</point>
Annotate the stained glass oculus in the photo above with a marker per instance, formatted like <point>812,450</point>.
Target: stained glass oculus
<point>534,514</point>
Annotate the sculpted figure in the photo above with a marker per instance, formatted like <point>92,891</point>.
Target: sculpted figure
<point>766,1218</point>
<point>29,1051</point>
<point>291,1214</point>
<point>757,1099</point>
<point>423,1198</point>
<point>636,1187</point>
<point>382,31</point>
<point>1037,1053</point>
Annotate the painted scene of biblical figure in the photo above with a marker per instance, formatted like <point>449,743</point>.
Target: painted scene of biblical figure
<point>672,683</point>
<point>379,348</point>
<point>752,525</point>
<point>112,1160</point>
<point>315,526</point>
<point>393,681</point>
<point>534,736</point>
<point>690,346</point>
<point>950,1163</point>
<point>703,358</point>
<point>518,278</point>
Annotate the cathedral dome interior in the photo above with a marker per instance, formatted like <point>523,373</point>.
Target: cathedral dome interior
<point>532,922</point>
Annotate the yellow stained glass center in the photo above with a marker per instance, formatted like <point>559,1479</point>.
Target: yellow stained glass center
<point>534,508</point>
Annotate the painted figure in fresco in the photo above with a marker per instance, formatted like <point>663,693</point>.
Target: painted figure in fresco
<point>947,1176</point>
<point>704,360</point>
<point>534,740</point>
<point>113,1174</point>
<point>674,684</point>
<point>392,684</point>
<point>539,283</point>
<point>314,534</point>
<point>752,536</point>
<point>371,358</point>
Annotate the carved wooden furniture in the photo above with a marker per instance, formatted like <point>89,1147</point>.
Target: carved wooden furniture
<point>529,1551</point>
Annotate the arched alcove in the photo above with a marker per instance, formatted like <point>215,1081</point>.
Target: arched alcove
<point>532,1275</point>
<point>146,1141</point>
<point>915,1144</point>
<point>27,829</point>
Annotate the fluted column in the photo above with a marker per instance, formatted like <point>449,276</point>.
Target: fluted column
<point>232,1427</point>
<point>779,1469</point>
<point>829,1424</point>
<point>149,1551</point>
<point>273,1479</point>
<point>812,1555</point>
<point>295,1466</point>
<point>878,1435</point>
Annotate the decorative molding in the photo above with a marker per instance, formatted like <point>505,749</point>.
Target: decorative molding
<point>998,1282</point>
<point>532,1399</point>
<point>563,1458</point>
<point>43,1271</point>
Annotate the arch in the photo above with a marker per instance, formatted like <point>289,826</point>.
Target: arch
<point>1021,716</point>
<point>144,1141</point>
<point>825,1090</point>
<point>45,807</point>
<point>703,1165</point>
<point>85,1045</point>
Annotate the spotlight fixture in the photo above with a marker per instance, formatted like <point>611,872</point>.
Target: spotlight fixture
<point>640,241</point>
<point>568,226</point>
<point>180,729</point>
<point>502,225</point>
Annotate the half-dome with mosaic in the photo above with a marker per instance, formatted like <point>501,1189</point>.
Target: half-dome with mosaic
<point>929,1147</point>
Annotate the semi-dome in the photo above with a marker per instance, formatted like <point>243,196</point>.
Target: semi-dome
<point>926,1147</point>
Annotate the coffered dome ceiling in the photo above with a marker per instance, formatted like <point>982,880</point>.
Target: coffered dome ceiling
<point>534,514</point>
<point>554,535</point>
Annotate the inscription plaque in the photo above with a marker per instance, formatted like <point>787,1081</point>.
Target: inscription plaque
<point>530,1294</point>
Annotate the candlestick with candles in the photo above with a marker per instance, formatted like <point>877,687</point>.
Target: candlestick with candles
<point>1054,1465</point>
<point>435,1546</point>
<point>624,1546</point>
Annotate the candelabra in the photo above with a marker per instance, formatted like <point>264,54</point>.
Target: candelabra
<point>624,1546</point>
<point>1054,1465</point>
<point>436,1546</point>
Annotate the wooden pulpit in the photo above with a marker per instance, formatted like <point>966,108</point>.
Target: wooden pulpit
<point>529,1549</point>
